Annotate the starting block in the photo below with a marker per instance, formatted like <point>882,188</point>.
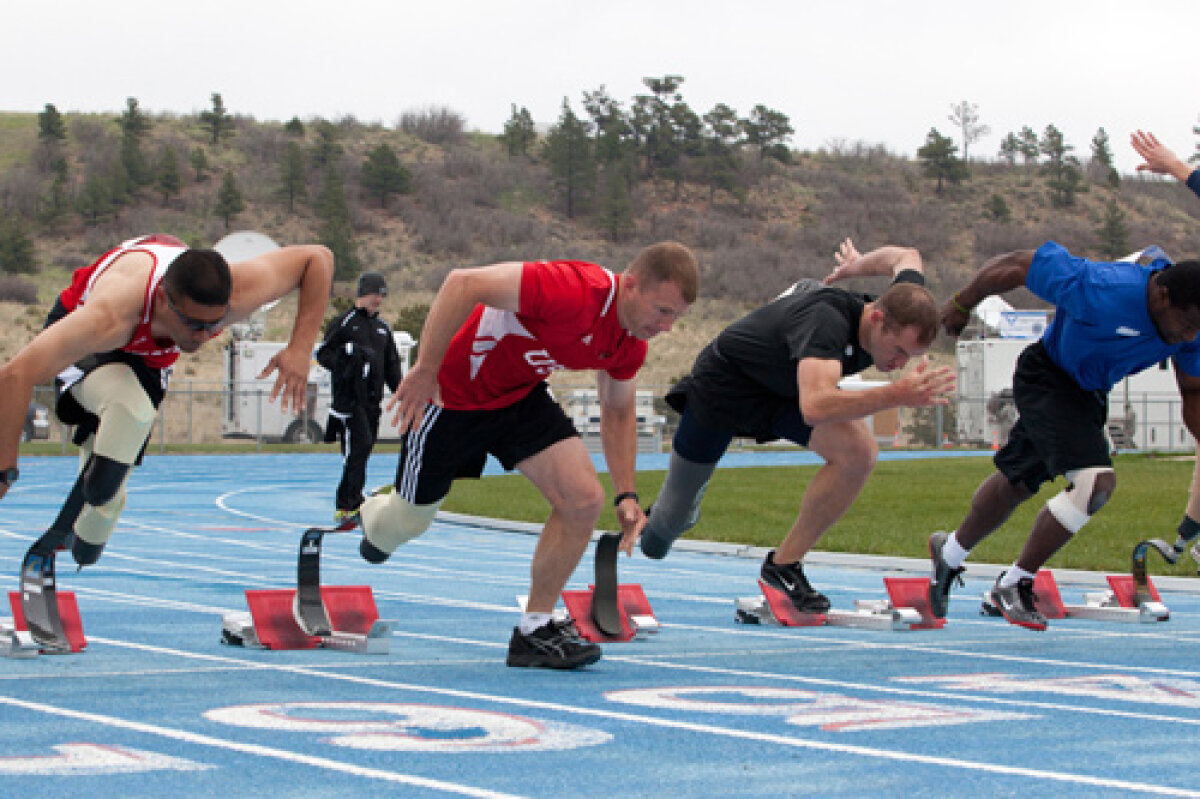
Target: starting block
<point>271,622</point>
<point>330,617</point>
<point>637,617</point>
<point>906,608</point>
<point>17,641</point>
<point>1117,604</point>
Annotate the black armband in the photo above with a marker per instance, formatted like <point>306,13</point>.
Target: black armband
<point>909,276</point>
<point>624,495</point>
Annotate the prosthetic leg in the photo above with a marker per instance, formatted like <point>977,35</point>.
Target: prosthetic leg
<point>39,598</point>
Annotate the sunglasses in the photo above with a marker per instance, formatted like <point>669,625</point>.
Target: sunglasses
<point>192,323</point>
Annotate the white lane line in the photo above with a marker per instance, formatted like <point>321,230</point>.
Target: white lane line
<point>703,729</point>
<point>255,749</point>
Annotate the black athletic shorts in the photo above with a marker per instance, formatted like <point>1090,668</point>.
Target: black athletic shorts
<point>1060,426</point>
<point>452,444</point>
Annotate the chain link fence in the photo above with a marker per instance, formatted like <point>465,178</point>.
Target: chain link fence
<point>208,413</point>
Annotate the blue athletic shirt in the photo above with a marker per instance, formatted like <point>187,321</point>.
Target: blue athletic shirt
<point>1102,330</point>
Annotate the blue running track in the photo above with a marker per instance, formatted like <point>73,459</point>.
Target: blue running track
<point>156,706</point>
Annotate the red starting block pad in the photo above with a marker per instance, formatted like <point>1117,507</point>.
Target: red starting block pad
<point>637,617</point>
<point>1117,604</point>
<point>913,592</point>
<point>907,608</point>
<point>271,623</point>
<point>19,638</point>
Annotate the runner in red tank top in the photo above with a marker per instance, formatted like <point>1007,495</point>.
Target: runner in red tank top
<point>113,335</point>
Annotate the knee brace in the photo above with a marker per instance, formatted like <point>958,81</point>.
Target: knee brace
<point>102,479</point>
<point>1086,492</point>
<point>389,521</point>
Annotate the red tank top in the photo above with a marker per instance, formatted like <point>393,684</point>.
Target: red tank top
<point>163,250</point>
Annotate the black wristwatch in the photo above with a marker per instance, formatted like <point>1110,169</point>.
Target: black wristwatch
<point>9,476</point>
<point>624,495</point>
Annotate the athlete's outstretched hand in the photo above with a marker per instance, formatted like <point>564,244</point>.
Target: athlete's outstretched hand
<point>291,384</point>
<point>1157,157</point>
<point>848,258</point>
<point>925,386</point>
<point>416,391</point>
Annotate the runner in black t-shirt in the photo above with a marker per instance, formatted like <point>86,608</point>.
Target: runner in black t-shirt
<point>774,374</point>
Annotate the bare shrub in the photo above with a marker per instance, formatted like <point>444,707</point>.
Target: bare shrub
<point>434,124</point>
<point>17,289</point>
<point>713,231</point>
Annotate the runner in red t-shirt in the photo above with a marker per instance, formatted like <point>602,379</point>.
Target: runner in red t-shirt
<point>492,337</point>
<point>113,335</point>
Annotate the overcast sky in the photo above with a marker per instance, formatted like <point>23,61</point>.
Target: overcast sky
<point>842,70</point>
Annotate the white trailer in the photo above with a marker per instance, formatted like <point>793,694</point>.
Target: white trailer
<point>986,412</point>
<point>1144,410</point>
<point>248,413</point>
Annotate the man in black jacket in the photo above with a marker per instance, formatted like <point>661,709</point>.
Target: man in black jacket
<point>361,356</point>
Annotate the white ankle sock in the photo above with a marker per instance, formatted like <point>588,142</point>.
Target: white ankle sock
<point>532,621</point>
<point>953,552</point>
<point>1014,575</point>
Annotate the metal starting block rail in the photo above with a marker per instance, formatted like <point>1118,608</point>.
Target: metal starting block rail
<point>907,608</point>
<point>312,616</point>
<point>16,643</point>
<point>1118,604</point>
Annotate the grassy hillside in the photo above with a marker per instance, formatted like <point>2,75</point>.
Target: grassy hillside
<point>470,202</point>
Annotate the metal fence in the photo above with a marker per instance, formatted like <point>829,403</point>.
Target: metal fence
<point>208,412</point>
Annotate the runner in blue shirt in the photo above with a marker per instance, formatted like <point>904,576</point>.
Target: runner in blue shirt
<point>1112,320</point>
<point>1159,159</point>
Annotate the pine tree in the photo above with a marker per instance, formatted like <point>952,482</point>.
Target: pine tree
<point>568,149</point>
<point>336,232</point>
<point>383,175</point>
<point>519,132</point>
<point>293,176</point>
<point>1114,236</point>
<point>1030,146</point>
<point>1061,167</point>
<point>199,162</point>
<point>1102,159</point>
<point>230,202</point>
<point>50,125</point>
<point>135,126</point>
<point>941,161</point>
<point>166,174</point>
<point>217,122</point>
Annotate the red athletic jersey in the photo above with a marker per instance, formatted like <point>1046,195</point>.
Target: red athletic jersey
<point>163,250</point>
<point>568,320</point>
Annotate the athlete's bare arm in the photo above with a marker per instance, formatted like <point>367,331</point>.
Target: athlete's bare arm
<point>497,286</point>
<point>618,435</point>
<point>106,322</point>
<point>268,277</point>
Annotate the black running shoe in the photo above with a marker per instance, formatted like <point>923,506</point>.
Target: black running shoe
<point>554,645</point>
<point>942,576</point>
<point>1016,604</point>
<point>789,578</point>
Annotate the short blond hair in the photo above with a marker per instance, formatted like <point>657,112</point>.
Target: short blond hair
<point>668,262</point>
